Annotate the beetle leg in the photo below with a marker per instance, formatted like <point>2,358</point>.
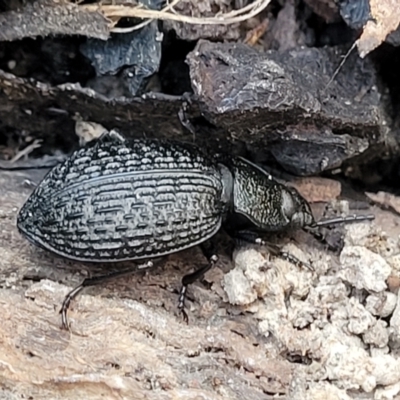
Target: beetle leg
<point>208,251</point>
<point>292,259</point>
<point>315,232</point>
<point>96,280</point>
<point>252,237</point>
<point>185,121</point>
<point>113,136</point>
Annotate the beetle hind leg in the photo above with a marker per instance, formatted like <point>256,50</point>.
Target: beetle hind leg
<point>212,258</point>
<point>93,281</point>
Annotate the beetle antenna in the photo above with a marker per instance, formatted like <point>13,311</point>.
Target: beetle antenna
<point>345,220</point>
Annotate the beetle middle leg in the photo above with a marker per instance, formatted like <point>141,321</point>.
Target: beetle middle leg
<point>96,280</point>
<point>252,237</point>
<point>208,250</point>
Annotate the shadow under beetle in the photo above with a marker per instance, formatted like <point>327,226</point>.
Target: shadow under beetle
<point>118,199</point>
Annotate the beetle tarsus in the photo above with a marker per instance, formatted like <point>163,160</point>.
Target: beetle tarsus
<point>66,303</point>
<point>181,303</point>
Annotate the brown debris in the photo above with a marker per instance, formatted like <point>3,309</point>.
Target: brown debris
<point>393,283</point>
<point>254,35</point>
<point>317,189</point>
<point>385,19</point>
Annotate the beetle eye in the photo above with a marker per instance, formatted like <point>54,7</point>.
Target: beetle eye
<point>288,205</point>
<point>297,219</point>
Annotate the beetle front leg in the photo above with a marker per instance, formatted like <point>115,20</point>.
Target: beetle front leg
<point>208,250</point>
<point>253,238</point>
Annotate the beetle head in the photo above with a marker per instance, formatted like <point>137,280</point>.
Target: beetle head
<point>296,209</point>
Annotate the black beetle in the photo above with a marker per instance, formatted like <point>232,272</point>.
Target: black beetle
<point>116,200</point>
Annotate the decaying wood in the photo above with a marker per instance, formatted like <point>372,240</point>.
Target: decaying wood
<point>285,103</point>
<point>48,17</point>
<point>279,105</point>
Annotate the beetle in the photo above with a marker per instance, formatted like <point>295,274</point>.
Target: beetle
<point>117,200</point>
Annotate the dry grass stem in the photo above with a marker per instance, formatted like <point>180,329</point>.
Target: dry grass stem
<point>115,12</point>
